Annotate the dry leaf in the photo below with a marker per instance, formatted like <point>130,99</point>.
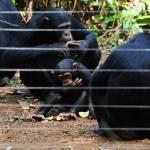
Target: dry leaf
<point>50,118</point>
<point>24,104</point>
<point>84,114</point>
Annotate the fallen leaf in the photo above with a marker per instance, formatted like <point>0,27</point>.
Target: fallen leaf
<point>24,104</point>
<point>50,118</point>
<point>84,114</point>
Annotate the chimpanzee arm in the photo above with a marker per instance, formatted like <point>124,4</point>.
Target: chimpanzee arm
<point>83,34</point>
<point>82,103</point>
<point>48,96</point>
<point>85,74</point>
<point>14,58</point>
<point>44,109</point>
<point>87,55</point>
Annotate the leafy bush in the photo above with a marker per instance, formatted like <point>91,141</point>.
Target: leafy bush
<point>112,21</point>
<point>118,20</point>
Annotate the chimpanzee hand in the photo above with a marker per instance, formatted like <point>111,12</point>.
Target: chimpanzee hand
<point>62,49</point>
<point>77,44</point>
<point>77,48</point>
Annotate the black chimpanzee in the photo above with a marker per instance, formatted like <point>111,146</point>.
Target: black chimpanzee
<point>68,74</point>
<point>18,37</point>
<point>121,90</point>
<point>12,58</point>
<point>7,21</point>
<point>10,17</point>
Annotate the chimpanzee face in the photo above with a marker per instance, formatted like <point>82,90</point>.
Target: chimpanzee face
<point>59,20</point>
<point>68,73</point>
<point>54,18</point>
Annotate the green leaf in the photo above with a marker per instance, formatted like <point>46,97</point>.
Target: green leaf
<point>15,81</point>
<point>13,1</point>
<point>143,20</point>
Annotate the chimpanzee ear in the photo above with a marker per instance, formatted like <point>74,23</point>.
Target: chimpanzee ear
<point>45,22</point>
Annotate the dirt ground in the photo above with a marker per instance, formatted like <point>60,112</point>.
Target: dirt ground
<point>17,134</point>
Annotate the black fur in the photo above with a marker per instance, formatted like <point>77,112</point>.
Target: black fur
<point>13,58</point>
<point>132,56</point>
<point>48,79</point>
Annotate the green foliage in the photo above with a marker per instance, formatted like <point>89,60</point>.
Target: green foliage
<point>114,22</point>
<point>15,81</point>
<point>13,1</point>
<point>144,20</point>
<point>118,20</point>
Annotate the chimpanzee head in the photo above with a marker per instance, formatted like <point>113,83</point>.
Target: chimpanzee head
<point>68,72</point>
<point>53,18</point>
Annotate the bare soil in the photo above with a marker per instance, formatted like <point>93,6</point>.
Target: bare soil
<point>53,135</point>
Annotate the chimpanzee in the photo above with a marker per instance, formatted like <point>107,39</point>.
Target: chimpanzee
<point>18,37</point>
<point>121,90</point>
<point>65,85</point>
<point>10,17</point>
